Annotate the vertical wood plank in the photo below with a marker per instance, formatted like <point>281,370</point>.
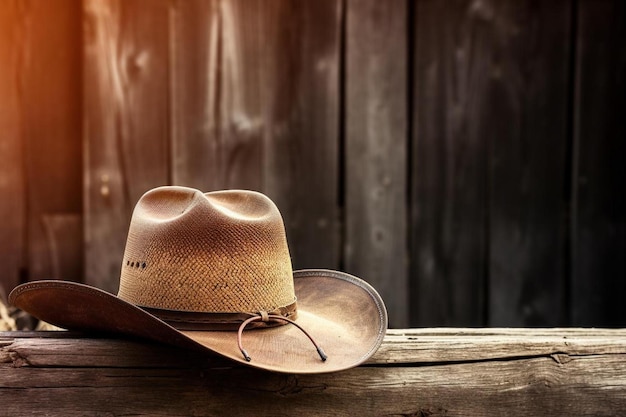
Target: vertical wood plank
<point>300,91</point>
<point>255,105</point>
<point>375,150</point>
<point>194,82</point>
<point>524,122</point>
<point>452,43</point>
<point>126,123</point>
<point>217,131</point>
<point>51,111</point>
<point>599,204</point>
<point>12,186</point>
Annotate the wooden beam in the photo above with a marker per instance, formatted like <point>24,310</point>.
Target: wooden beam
<point>415,372</point>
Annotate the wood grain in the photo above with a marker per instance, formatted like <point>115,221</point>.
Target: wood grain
<point>523,122</point>
<point>51,119</point>
<point>537,372</point>
<point>376,150</point>
<point>217,120</point>
<point>599,204</point>
<point>449,164</point>
<point>300,76</point>
<point>255,105</point>
<point>511,175</point>
<point>400,347</point>
<point>194,36</point>
<point>12,181</point>
<point>490,148</point>
<point>64,240</point>
<point>126,123</point>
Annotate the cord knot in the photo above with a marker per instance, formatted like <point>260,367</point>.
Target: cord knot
<point>266,317</point>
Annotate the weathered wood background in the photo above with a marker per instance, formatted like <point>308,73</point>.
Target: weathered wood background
<point>465,157</point>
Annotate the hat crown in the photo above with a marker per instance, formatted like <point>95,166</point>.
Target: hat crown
<point>217,252</point>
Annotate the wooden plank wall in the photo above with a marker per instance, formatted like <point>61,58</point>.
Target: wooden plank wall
<point>126,127</point>
<point>376,132</point>
<point>598,221</point>
<point>40,141</point>
<point>13,206</point>
<point>464,157</point>
<point>491,108</point>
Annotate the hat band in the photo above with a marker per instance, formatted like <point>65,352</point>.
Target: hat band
<point>192,320</point>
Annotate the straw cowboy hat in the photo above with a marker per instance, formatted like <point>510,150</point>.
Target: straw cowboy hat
<point>212,271</point>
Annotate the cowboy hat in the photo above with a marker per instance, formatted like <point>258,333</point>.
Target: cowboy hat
<point>212,271</point>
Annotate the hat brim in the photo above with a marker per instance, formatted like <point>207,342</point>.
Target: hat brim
<point>343,313</point>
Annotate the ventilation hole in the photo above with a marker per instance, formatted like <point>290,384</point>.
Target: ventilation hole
<point>132,264</point>
<point>143,265</point>
<point>137,264</point>
<point>127,263</point>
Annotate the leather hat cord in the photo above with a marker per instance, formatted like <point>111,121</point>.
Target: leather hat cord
<point>263,316</point>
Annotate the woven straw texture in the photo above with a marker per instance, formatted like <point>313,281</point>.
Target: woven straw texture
<point>219,252</point>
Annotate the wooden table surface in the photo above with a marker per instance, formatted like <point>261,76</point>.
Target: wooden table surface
<point>416,372</point>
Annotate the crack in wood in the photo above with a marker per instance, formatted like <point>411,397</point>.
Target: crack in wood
<point>18,360</point>
<point>422,412</point>
<point>294,386</point>
<point>559,357</point>
<point>562,358</point>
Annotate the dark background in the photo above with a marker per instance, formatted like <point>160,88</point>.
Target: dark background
<point>465,157</point>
